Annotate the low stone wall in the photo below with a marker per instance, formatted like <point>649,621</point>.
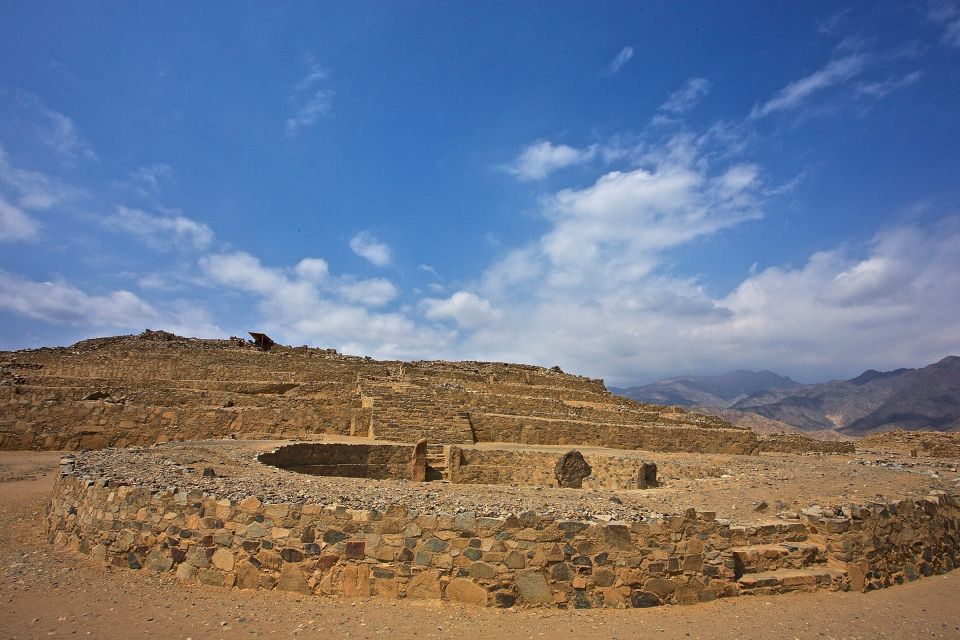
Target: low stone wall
<point>654,437</point>
<point>795,443</point>
<point>376,461</point>
<point>526,559</point>
<point>536,468</point>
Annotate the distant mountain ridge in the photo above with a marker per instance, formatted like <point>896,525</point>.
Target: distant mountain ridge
<point>709,391</point>
<point>913,399</point>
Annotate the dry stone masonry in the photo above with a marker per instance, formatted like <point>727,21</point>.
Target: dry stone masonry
<point>258,466</point>
<point>524,559</point>
<point>157,387</point>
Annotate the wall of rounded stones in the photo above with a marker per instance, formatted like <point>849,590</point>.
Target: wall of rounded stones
<point>524,560</point>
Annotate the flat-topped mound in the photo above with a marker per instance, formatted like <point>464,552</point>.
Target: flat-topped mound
<point>157,387</point>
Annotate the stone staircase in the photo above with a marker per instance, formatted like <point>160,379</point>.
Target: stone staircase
<point>780,567</point>
<point>437,468</point>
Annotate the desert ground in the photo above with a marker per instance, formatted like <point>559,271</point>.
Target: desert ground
<point>50,593</point>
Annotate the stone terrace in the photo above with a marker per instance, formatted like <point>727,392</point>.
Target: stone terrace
<point>157,387</point>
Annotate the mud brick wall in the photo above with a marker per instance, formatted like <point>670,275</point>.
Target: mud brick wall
<point>524,559</point>
<point>376,461</point>
<point>536,468</point>
<point>795,443</point>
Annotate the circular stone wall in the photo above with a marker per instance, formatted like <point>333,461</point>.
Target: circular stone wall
<point>374,461</point>
<point>527,558</point>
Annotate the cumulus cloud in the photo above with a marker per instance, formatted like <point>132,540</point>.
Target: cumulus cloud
<point>366,245</point>
<point>688,96</point>
<point>541,158</point>
<point>620,60</point>
<point>310,99</point>
<point>375,292</point>
<point>163,231</point>
<point>791,96</point>
<point>59,302</point>
<point>308,304</point>
<point>827,316</point>
<point>313,269</point>
<point>466,309</point>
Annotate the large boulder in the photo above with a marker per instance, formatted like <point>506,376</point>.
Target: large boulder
<point>571,469</point>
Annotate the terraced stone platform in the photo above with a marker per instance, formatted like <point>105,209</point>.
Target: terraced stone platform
<point>157,387</point>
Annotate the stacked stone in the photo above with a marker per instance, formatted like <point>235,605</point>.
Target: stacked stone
<point>522,559</point>
<point>135,390</point>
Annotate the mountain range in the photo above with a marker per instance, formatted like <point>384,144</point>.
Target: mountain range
<point>914,399</point>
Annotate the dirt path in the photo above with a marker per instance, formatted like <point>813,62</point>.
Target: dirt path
<point>47,593</point>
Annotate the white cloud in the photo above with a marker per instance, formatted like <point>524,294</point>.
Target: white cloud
<point>243,271</point>
<point>35,191</point>
<point>59,302</point>
<point>892,304</point>
<point>888,86</point>
<point>467,309</point>
<point>313,269</point>
<point>366,245</point>
<point>297,308</point>
<point>542,158</point>
<point>620,60</point>
<point>161,232</point>
<point>792,95</point>
<point>15,224</point>
<point>310,100</point>
<point>687,96</point>
<point>375,292</point>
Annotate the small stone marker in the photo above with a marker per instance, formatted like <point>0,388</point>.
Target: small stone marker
<point>571,469</point>
<point>418,462</point>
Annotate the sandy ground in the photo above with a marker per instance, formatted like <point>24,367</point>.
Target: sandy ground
<point>48,593</point>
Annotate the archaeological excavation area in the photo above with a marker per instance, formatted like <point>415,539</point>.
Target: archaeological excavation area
<point>248,465</point>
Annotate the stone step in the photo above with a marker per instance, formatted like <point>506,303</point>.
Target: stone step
<point>791,580</point>
<point>772,557</point>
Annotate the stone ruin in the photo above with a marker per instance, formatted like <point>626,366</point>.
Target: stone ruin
<point>157,387</point>
<point>401,426</point>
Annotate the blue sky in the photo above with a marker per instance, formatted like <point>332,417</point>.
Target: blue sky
<point>629,191</point>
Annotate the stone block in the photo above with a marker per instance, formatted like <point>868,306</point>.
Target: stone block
<point>515,560</point>
<point>466,591</point>
<point>356,580</point>
<point>248,576</point>
<point>660,586</point>
<point>533,587</point>
<point>424,585</point>
<point>223,560</point>
<point>291,579</point>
